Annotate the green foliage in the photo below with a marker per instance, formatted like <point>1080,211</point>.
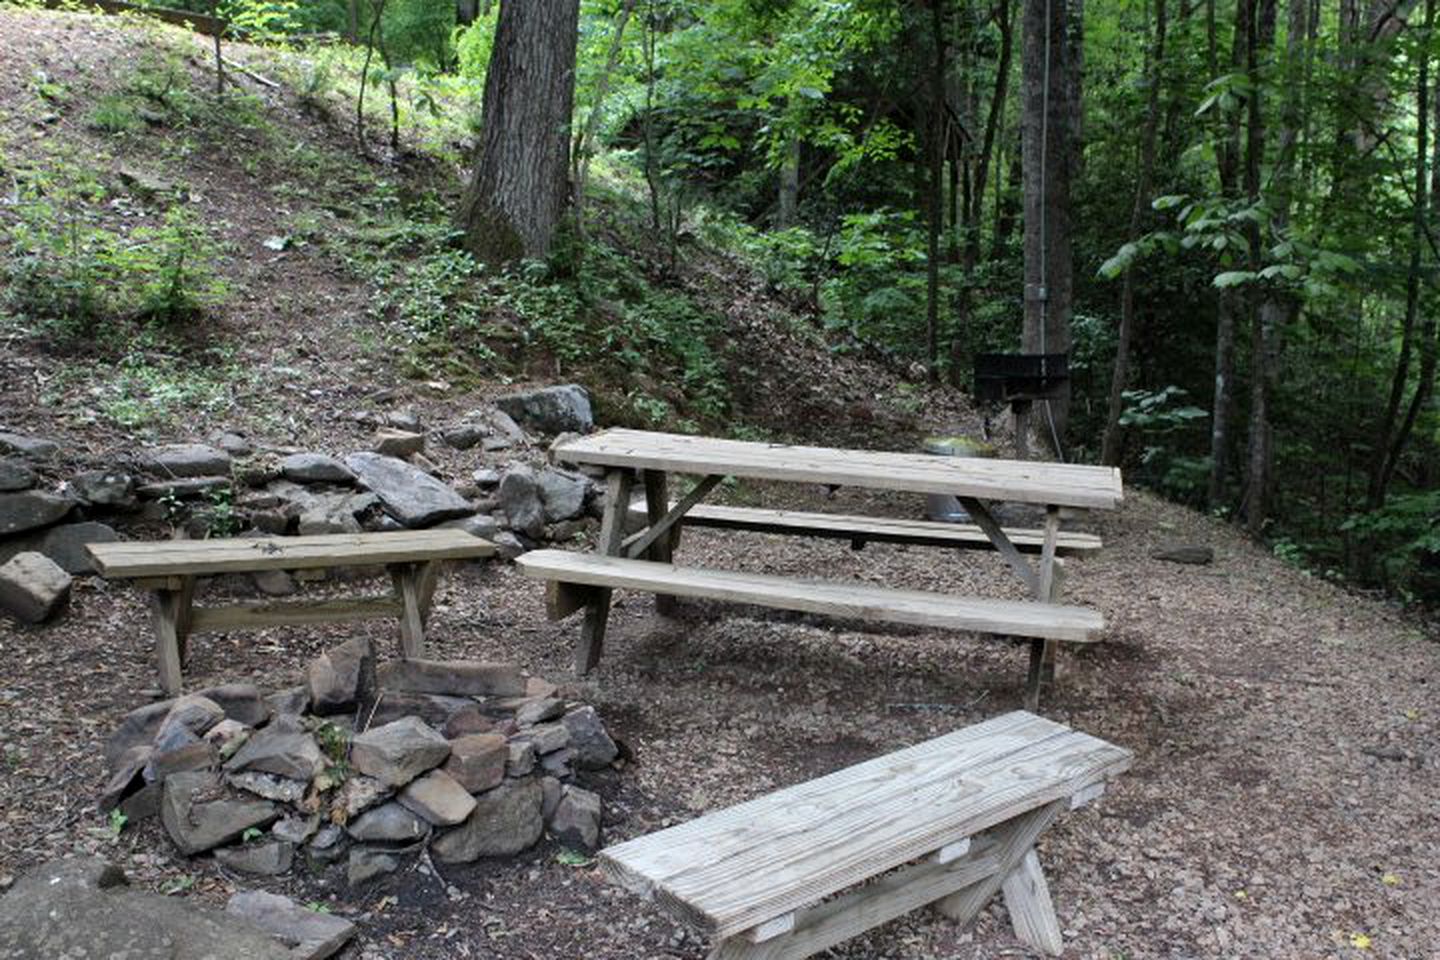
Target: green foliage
<point>1158,417</point>
<point>117,822</point>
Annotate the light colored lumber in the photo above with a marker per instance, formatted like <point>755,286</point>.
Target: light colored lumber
<point>1014,842</point>
<point>952,851</point>
<point>660,522</point>
<point>1032,915</point>
<point>979,510</point>
<point>1073,485</point>
<point>406,578</point>
<point>168,558</point>
<point>733,869</point>
<point>854,600</point>
<point>862,529</point>
<point>250,616</point>
<point>164,613</point>
<point>612,534</point>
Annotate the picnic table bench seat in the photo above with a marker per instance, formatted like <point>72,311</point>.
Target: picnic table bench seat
<point>949,822</point>
<point>860,530</point>
<point>169,569</point>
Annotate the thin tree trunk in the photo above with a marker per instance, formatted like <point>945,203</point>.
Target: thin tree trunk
<point>936,202</point>
<point>584,142</point>
<point>365,75</point>
<point>993,121</point>
<point>1112,445</point>
<point>789,184</point>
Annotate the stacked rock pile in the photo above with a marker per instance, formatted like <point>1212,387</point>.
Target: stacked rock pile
<point>364,765</point>
<point>52,506</point>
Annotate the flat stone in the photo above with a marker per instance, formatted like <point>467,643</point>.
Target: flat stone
<point>576,819</point>
<point>194,712</point>
<point>83,908</point>
<point>340,676</point>
<point>33,588</point>
<point>547,737</point>
<point>540,687</point>
<point>359,793</point>
<point>593,747</point>
<point>519,497</point>
<point>15,475</point>
<point>240,701</point>
<point>65,544</point>
<point>295,828</point>
<point>277,750</point>
<point>479,525</point>
<point>388,823</point>
<point>327,846</point>
<point>521,758</point>
<point>465,722</point>
<point>274,583</point>
<point>185,488</point>
<point>508,546</point>
<point>269,786</point>
<point>559,763</point>
<point>438,798</point>
<point>227,736</point>
<point>1195,554</point>
<point>191,756</point>
<point>144,803</point>
<point>233,443</point>
<point>550,409</point>
<point>398,752</point>
<point>506,821</point>
<point>563,494</point>
<point>477,762</point>
<point>464,436</point>
<point>538,710</point>
<point>196,825</point>
<point>310,935</point>
<point>36,448</point>
<point>268,858</point>
<point>125,777</point>
<point>433,708</point>
<point>404,420</point>
<point>408,494</point>
<point>314,468</point>
<point>393,442</point>
<point>367,864</point>
<point>187,460</point>
<point>292,701</point>
<point>31,509</point>
<point>334,516</point>
<point>460,678</point>
<point>105,488</point>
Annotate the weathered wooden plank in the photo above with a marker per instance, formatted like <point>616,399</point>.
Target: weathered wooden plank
<point>853,527</point>
<point>1074,485</point>
<point>563,599</point>
<point>167,558</point>
<point>979,510</point>
<point>658,521</point>
<point>855,600</point>
<point>406,577</point>
<point>459,677</point>
<point>1013,843</point>
<point>164,614</point>
<point>1032,915</point>
<point>250,616</point>
<point>612,534</point>
<point>734,869</point>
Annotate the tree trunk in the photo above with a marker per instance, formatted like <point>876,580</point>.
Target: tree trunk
<point>1112,445</point>
<point>1046,129</point>
<point>935,204</point>
<point>516,197</point>
<point>789,184</point>
<point>584,141</point>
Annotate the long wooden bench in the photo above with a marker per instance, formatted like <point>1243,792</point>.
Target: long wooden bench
<point>860,530</point>
<point>169,568</point>
<point>574,579</point>
<point>949,822</point>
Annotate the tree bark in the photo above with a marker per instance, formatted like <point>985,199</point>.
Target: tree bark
<point>516,197</point>
<point>789,184</point>
<point>935,205</point>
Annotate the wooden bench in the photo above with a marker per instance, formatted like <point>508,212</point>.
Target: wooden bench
<point>949,822</point>
<point>860,530</point>
<point>574,579</point>
<point>169,568</point>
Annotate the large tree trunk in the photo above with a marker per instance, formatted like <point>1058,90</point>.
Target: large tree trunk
<point>517,194</point>
<point>1046,129</point>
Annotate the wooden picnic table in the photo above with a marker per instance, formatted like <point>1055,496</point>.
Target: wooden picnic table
<point>631,456</point>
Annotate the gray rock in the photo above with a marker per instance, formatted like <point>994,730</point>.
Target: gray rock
<point>187,460</point>
<point>398,752</point>
<point>125,777</point>
<point>408,494</point>
<point>506,820</point>
<point>547,737</point>
<point>295,828</point>
<point>366,864</point>
<point>538,710</point>
<point>65,544</point>
<point>310,935</point>
<point>276,523</point>
<point>519,495</point>
<point>194,712</point>
<point>359,793</point>
<point>33,588</point>
<point>521,759</point>
<point>463,723</point>
<point>269,786</point>
<point>459,678</point>
<point>388,823</point>
<point>340,676</point>
<point>292,701</point>
<point>227,736</point>
<point>233,443</point>
<point>282,750</point>
<point>434,709</point>
<point>562,494</point>
<point>143,804</point>
<point>15,475</point>
<point>559,763</point>
<point>274,583</point>
<point>184,488</point>
<point>268,858</point>
<point>30,509</point>
<point>404,420</point>
<point>240,701</point>
<point>486,477</point>
<point>576,819</point>
<point>196,823</point>
<point>550,409</point>
<point>593,747</point>
<point>464,436</point>
<point>331,516</point>
<point>507,545</point>
<point>391,442</point>
<point>438,798</point>
<point>477,526</point>
<point>82,908</point>
<point>477,762</point>
<point>328,845</point>
<point>1197,555</point>
<point>165,763</point>
<point>105,488</point>
<point>35,448</point>
<point>314,468</point>
<point>550,790</point>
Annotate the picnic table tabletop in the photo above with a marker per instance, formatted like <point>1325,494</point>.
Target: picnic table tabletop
<point>1024,481</point>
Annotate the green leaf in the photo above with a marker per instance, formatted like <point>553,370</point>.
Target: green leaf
<point>573,858</point>
<point>1233,278</point>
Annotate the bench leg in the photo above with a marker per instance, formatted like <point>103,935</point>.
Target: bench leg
<point>1027,898</point>
<point>657,504</point>
<point>612,536</point>
<point>184,617</point>
<point>407,579</point>
<point>1014,841</point>
<point>165,614</point>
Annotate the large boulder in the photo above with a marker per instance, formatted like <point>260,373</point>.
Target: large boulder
<point>33,588</point>
<point>388,823</point>
<point>82,907</point>
<point>408,494</point>
<point>65,544</point>
<point>459,678</point>
<point>506,820</point>
<point>105,488</point>
<point>36,448</point>
<point>314,468</point>
<point>551,409</point>
<point>563,494</point>
<point>29,509</point>
<point>187,460</point>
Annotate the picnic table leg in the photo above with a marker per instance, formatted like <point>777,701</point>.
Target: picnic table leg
<point>1047,590</point>
<point>407,579</point>
<point>612,535</point>
<point>165,613</point>
<point>184,617</point>
<point>657,504</point>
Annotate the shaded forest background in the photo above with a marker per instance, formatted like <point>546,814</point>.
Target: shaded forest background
<point>1251,223</point>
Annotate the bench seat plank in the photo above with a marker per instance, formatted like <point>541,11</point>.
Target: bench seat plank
<point>1058,484</point>
<point>857,600</point>
<point>731,870</point>
<point>844,526</point>
<point>166,558</point>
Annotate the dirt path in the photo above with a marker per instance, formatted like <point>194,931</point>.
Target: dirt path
<point>1283,802</point>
